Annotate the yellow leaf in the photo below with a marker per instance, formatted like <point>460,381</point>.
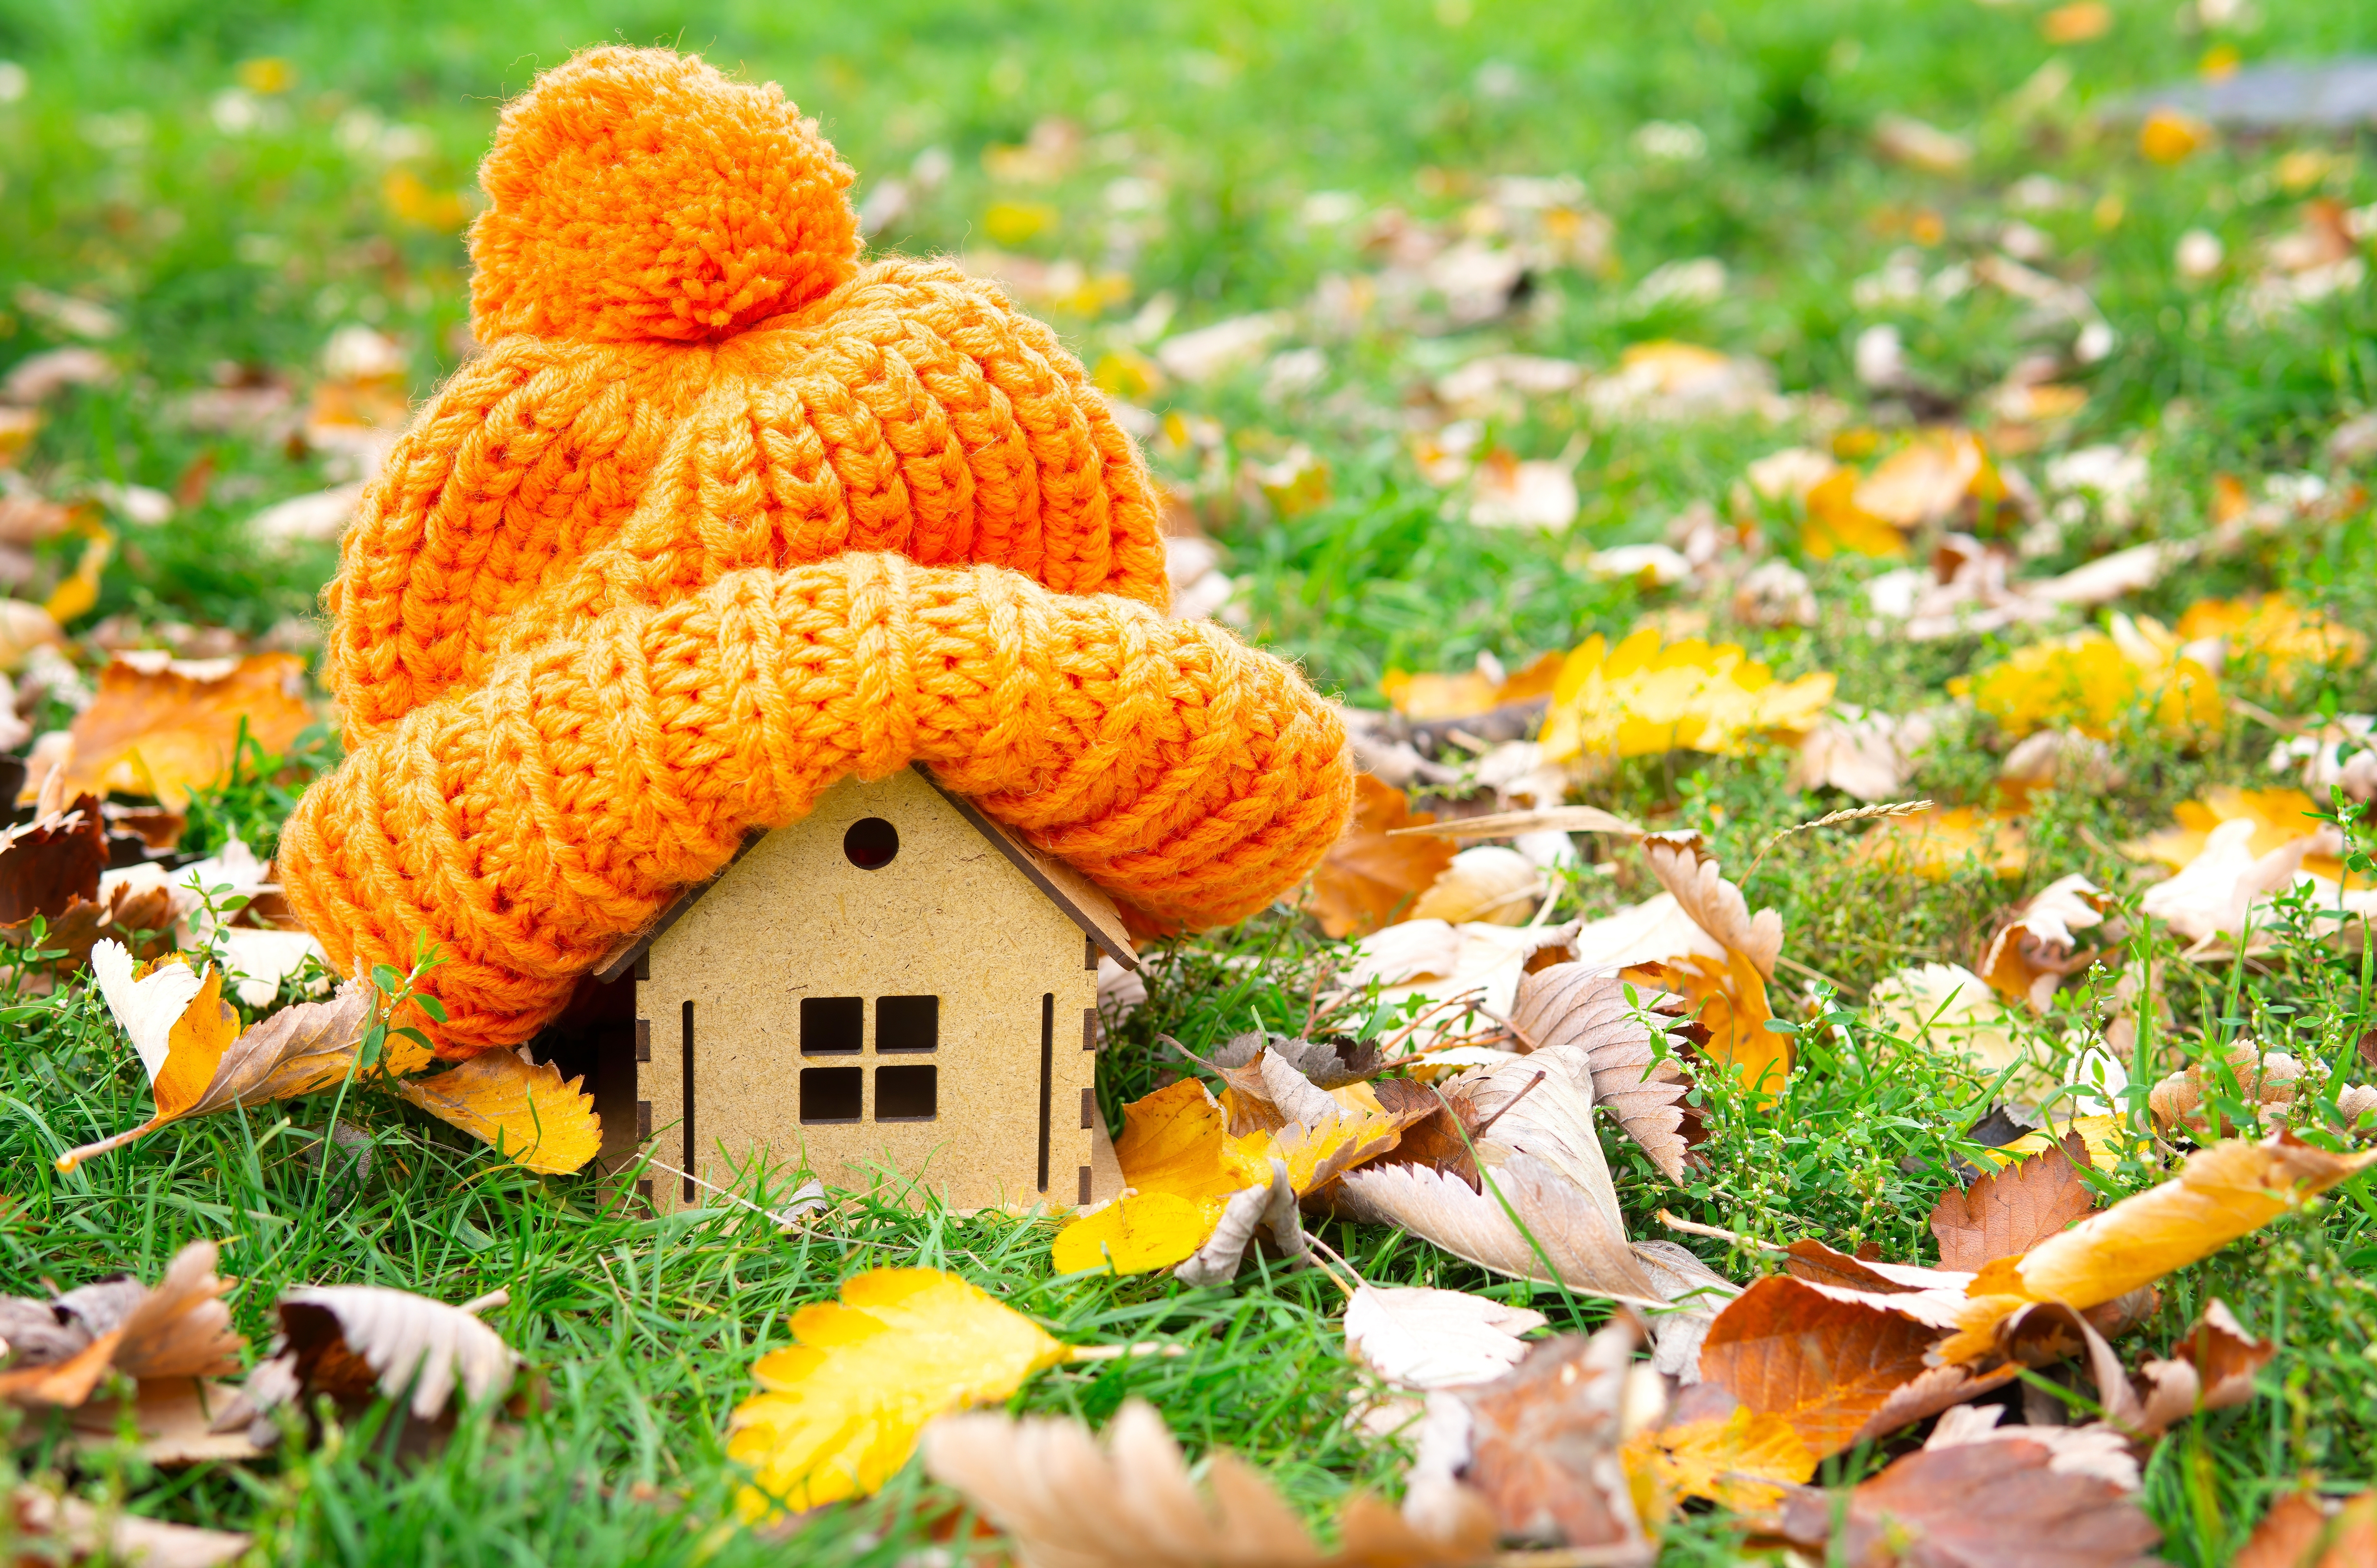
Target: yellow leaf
<point>843,1407</point>
<point>165,729</point>
<point>2092,683</point>
<point>1318,1155</point>
<point>2222,1193</point>
<point>1935,844</point>
<point>1640,699</point>
<point>526,1113</point>
<point>2285,640</point>
<point>1739,1460</point>
<point>2108,1139</point>
<point>2171,137</point>
<point>1012,223</point>
<point>1136,1234</point>
<point>2279,816</point>
<point>1836,522</point>
<point>76,595</point>
<point>2077,23</point>
<point>1177,1140</point>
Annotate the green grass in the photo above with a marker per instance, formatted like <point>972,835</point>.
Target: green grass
<point>232,235</point>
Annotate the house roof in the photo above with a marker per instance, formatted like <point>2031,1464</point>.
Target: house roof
<point>1079,897</point>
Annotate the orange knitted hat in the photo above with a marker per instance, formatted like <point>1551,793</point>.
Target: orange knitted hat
<point>722,516</point>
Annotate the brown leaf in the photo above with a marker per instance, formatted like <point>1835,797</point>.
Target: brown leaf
<point>1545,1443</point>
<point>1368,879</point>
<point>2269,1079</point>
<point>295,1052</point>
<point>164,729</point>
<point>1571,1007</point>
<point>182,1328</point>
<point>1976,1505</point>
<point>1688,871</point>
<point>67,1529</point>
<point>66,1384</point>
<point>51,863</point>
<point>2011,1210</point>
<point>2298,1532</point>
<point>2212,1369</point>
<point>1068,1501</point>
<point>2035,948</point>
<point>1585,1247</point>
<point>355,1342</point>
<point>172,1422</point>
<point>1786,1348</point>
<point>1819,1264</point>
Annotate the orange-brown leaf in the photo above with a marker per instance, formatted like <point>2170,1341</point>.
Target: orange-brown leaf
<point>1369,879</point>
<point>1785,1348</point>
<point>166,729</point>
<point>2008,1211</point>
<point>1545,1440</point>
<point>2298,1533</point>
<point>182,1328</point>
<point>1999,1504</point>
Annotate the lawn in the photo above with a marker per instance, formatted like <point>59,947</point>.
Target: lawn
<point>1582,267</point>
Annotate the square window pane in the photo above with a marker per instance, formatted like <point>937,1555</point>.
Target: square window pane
<point>906,1094</point>
<point>907,1023</point>
<point>832,1026</point>
<point>831,1094</point>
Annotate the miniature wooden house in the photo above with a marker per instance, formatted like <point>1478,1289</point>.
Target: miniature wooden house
<point>893,988</point>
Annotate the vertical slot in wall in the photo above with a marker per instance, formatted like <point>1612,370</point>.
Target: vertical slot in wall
<point>1047,1075</point>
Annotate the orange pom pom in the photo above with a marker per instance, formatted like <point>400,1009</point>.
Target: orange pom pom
<point>638,193</point>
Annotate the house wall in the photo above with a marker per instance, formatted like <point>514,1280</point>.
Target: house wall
<point>949,917</point>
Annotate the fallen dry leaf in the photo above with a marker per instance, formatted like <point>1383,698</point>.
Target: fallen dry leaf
<point>1577,1237</point>
<point>2275,638</point>
<point>1368,878</point>
<point>1576,1008</point>
<point>2212,1369</point>
<point>52,1529</point>
<point>1713,1446</point>
<point>2267,1079</point>
<point>2096,1449</point>
<point>841,1407</point>
<point>1641,700</point>
<point>2000,1504</point>
<point>2222,1193</point>
<point>1926,480</point>
<point>2035,949</point>
<point>1869,755</point>
<point>1686,870</point>
<point>2279,817</point>
<point>1788,1349</point>
<point>200,1062</point>
<point>1488,882</point>
<point>357,1343</point>
<point>1544,1445</point>
<point>1471,691</point>
<point>1257,1213</point>
<point>2298,1532</point>
<point>1419,1337</point>
<point>51,863</point>
<point>1835,523</point>
<point>523,1111</point>
<point>163,728</point>
<point>2008,1211</point>
<point>1068,1501</point>
<point>174,1334</point>
<point>1937,844</point>
<point>2137,678</point>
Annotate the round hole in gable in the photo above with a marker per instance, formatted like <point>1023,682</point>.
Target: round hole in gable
<point>870,843</point>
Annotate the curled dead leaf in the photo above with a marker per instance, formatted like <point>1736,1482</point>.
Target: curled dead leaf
<point>1068,1501</point>
<point>523,1111</point>
<point>1998,1504</point>
<point>1369,879</point>
<point>1574,1007</point>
